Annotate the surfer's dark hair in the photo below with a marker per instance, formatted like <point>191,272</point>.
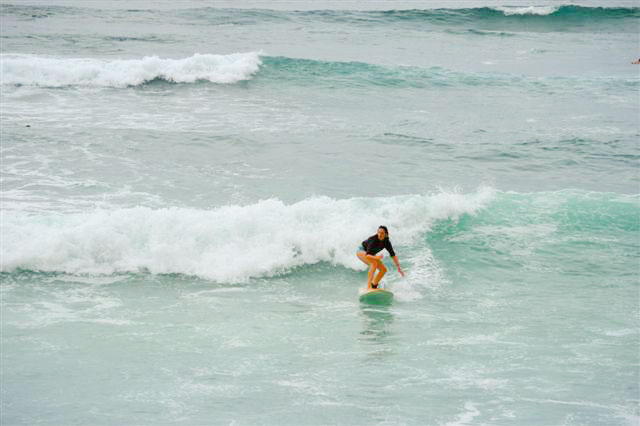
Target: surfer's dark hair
<point>386,231</point>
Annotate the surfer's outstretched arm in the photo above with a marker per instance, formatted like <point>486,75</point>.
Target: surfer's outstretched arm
<point>397,263</point>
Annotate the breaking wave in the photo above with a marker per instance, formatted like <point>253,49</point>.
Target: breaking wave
<point>227,244</point>
<point>16,69</point>
<point>28,70</point>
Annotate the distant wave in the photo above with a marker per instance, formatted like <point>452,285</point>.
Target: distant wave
<point>559,12</point>
<point>571,11</point>
<point>16,69</point>
<point>228,244</point>
<point>42,71</point>
<point>563,14</point>
<point>511,13</point>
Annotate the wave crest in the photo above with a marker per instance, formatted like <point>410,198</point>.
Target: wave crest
<point>527,10</point>
<point>18,69</point>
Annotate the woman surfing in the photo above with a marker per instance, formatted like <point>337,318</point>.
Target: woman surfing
<point>367,252</point>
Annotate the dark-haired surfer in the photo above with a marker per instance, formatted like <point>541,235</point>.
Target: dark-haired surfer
<point>368,253</point>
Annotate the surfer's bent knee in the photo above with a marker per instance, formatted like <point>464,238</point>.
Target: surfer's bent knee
<point>374,263</point>
<point>377,264</point>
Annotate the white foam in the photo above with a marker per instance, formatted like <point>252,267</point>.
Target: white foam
<point>621,333</point>
<point>227,244</point>
<point>467,416</point>
<point>86,304</point>
<point>527,10</point>
<point>473,380</point>
<point>425,273</point>
<point>30,70</point>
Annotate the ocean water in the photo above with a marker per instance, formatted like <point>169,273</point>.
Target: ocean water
<point>184,185</point>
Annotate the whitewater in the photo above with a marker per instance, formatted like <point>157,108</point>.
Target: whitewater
<point>54,72</point>
<point>184,187</point>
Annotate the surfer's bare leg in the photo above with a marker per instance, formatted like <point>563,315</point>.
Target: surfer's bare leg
<point>381,271</point>
<point>374,263</point>
<point>372,272</point>
<point>362,255</point>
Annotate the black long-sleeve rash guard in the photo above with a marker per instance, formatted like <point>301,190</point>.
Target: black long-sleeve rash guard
<point>373,245</point>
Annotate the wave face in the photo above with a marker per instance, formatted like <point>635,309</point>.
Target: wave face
<point>232,243</point>
<point>28,70</point>
<point>60,72</point>
<point>359,74</point>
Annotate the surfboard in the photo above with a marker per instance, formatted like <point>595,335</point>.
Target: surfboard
<point>376,296</point>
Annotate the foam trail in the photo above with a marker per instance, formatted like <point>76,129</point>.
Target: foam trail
<point>16,69</point>
<point>466,417</point>
<point>228,244</point>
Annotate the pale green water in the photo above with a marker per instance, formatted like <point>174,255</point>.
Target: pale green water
<point>178,234</point>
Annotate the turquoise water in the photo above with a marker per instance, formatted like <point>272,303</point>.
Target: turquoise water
<point>183,189</point>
